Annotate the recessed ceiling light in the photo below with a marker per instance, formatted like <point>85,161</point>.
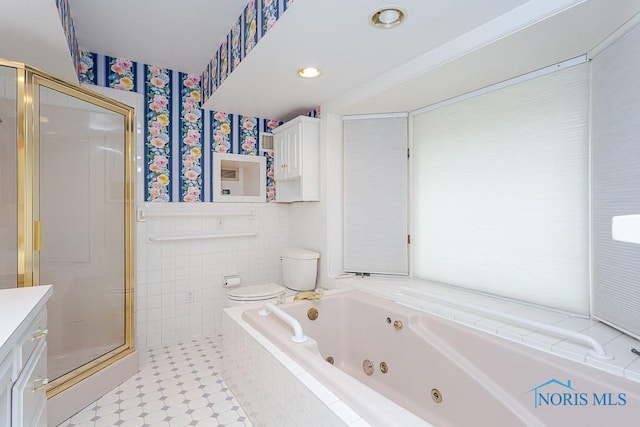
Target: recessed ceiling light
<point>387,17</point>
<point>309,72</point>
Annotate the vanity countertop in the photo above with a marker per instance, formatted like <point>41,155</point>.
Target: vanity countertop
<point>18,307</point>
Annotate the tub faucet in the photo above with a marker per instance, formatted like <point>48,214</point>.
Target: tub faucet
<point>308,295</point>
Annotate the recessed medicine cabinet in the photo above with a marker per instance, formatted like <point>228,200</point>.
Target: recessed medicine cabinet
<point>239,178</point>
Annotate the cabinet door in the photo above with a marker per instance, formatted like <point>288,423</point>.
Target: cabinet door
<point>6,368</point>
<point>294,152</point>
<point>279,155</point>
<point>288,154</point>
<point>28,396</point>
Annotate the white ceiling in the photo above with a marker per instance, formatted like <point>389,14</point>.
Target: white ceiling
<point>181,35</point>
<point>444,48</point>
<point>470,63</point>
<point>31,32</point>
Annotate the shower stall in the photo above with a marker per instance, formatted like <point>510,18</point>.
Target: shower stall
<point>66,217</point>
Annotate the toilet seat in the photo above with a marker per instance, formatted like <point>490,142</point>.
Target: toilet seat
<point>259,292</point>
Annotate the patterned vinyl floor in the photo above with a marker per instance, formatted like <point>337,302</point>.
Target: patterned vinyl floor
<point>178,385</point>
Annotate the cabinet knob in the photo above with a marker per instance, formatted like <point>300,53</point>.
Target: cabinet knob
<point>39,334</point>
<point>42,384</point>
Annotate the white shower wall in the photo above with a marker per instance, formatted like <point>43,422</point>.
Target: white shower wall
<point>168,272</point>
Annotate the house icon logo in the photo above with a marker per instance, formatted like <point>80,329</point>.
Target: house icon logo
<point>536,390</point>
<point>557,393</point>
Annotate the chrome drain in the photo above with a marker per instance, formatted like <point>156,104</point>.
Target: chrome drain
<point>436,395</point>
<point>329,359</point>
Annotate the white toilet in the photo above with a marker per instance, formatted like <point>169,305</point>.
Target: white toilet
<point>299,271</point>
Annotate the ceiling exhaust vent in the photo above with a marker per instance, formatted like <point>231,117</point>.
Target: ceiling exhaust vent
<point>266,142</point>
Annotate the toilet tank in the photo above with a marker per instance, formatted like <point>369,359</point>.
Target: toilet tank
<point>299,269</point>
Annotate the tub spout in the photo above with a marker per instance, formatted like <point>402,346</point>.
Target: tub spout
<point>308,295</point>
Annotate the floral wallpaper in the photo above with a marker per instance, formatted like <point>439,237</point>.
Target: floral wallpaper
<point>248,128</point>
<point>221,132</point>
<point>269,14</point>
<point>250,26</point>
<point>121,74</point>
<point>214,75</point>
<point>258,17</point>
<point>314,113</point>
<point>157,133</point>
<point>180,137</point>
<point>85,68</point>
<point>64,10</point>
<point>210,77</point>
<point>191,138</point>
<point>241,39</point>
<point>271,182</point>
<point>269,126</point>
<point>236,45</point>
<point>223,64</point>
<point>206,81</point>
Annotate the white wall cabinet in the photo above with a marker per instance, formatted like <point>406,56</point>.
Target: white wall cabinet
<point>288,153</point>
<point>297,160</point>
<point>23,356</point>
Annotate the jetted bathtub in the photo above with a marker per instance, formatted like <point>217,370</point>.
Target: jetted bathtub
<point>396,366</point>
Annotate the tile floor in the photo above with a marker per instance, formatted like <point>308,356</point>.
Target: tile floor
<point>178,385</point>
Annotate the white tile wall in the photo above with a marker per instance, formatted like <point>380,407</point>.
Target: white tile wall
<point>273,389</point>
<point>308,230</point>
<point>166,272</point>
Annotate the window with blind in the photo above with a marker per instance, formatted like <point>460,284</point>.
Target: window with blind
<point>375,194</point>
<point>500,191</point>
<point>616,182</point>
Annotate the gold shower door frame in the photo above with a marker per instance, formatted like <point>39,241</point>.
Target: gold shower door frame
<point>29,80</point>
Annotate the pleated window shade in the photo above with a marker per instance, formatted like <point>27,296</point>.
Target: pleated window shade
<point>616,181</point>
<point>500,196</point>
<point>375,195</point>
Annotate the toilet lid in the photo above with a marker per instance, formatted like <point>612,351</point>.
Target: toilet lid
<point>256,292</point>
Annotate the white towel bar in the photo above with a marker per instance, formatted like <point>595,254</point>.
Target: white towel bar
<point>156,239</point>
<point>142,214</point>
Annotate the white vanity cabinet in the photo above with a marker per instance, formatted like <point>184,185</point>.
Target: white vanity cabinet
<point>23,356</point>
<point>6,382</point>
<point>297,160</point>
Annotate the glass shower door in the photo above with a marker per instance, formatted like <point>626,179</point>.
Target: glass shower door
<point>8,180</point>
<point>84,238</point>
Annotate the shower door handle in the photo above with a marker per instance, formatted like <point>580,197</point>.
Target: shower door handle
<point>37,236</point>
